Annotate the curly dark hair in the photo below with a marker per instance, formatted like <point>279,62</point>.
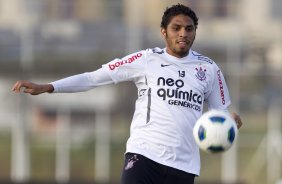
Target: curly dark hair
<point>175,10</point>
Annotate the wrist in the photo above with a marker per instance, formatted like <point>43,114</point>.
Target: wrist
<point>50,88</point>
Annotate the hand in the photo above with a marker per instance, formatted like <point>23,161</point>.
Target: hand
<point>32,88</point>
<point>237,119</point>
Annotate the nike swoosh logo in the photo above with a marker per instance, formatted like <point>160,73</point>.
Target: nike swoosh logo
<point>164,65</point>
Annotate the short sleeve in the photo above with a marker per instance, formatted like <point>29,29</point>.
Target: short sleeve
<point>218,97</point>
<point>128,68</point>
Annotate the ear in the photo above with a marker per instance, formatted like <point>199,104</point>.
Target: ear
<point>163,32</point>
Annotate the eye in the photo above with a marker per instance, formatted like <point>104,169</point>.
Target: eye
<point>175,28</point>
<point>190,28</point>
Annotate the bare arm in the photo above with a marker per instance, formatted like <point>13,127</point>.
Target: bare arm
<point>32,88</point>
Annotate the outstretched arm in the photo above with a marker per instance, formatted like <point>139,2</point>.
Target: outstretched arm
<point>72,84</point>
<point>32,88</point>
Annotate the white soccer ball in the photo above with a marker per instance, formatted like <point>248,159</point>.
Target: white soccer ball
<point>215,131</point>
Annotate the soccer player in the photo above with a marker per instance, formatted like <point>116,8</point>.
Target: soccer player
<point>173,83</point>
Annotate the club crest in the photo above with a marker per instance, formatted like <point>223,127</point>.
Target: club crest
<point>201,73</point>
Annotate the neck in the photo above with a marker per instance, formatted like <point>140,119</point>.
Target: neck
<point>178,55</point>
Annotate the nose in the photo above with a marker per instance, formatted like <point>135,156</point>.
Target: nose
<point>183,33</point>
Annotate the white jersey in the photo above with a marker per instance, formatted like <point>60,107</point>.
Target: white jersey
<point>171,92</point>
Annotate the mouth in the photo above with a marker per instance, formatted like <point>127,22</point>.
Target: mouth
<point>182,43</point>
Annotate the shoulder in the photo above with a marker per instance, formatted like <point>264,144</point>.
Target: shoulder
<point>209,64</point>
<point>201,57</point>
<point>156,50</point>
<point>146,52</point>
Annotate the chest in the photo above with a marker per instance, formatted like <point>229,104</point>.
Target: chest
<point>164,74</point>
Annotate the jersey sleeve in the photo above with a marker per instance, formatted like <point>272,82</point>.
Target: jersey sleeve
<point>82,82</point>
<point>218,96</point>
<point>128,68</point>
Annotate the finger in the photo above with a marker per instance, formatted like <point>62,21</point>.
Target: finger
<point>20,86</point>
<point>237,119</point>
<point>239,124</point>
<point>17,86</point>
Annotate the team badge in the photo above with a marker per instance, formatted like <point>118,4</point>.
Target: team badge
<point>131,162</point>
<point>201,73</point>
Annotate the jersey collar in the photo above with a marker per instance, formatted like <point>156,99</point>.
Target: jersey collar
<point>179,60</point>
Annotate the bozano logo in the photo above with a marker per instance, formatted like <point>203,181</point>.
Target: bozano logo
<point>220,87</point>
<point>125,61</point>
<point>171,91</point>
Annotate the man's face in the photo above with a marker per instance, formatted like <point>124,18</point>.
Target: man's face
<point>179,35</point>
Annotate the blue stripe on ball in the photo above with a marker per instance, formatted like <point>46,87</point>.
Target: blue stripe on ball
<point>217,119</point>
<point>202,133</point>
<point>231,134</point>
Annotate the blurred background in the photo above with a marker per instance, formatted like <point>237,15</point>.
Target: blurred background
<point>80,138</point>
